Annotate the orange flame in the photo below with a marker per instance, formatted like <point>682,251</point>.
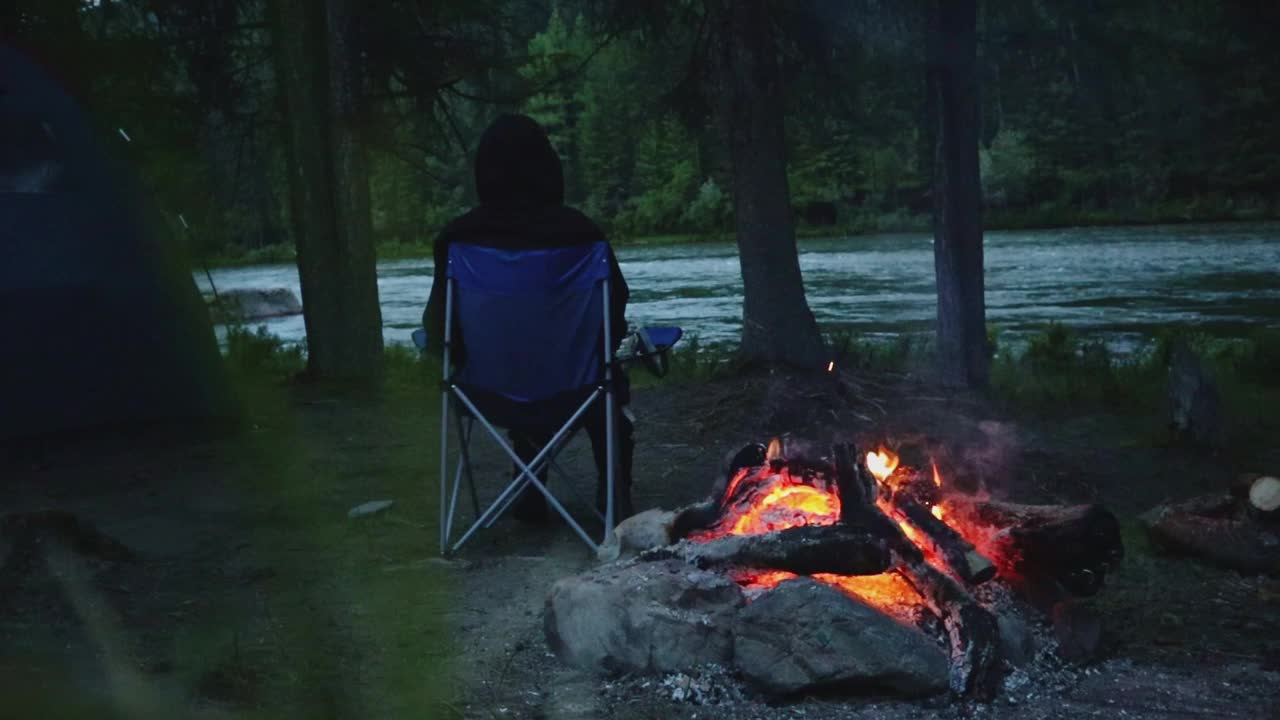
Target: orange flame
<point>882,463</point>
<point>780,500</point>
<point>774,452</point>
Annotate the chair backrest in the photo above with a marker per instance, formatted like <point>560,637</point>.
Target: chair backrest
<point>532,320</point>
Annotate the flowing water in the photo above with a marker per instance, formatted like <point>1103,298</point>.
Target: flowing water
<point>1116,284</point>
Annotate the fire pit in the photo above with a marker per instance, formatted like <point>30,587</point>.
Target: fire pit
<point>843,569</point>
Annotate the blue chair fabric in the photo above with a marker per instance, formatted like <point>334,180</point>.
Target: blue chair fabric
<point>532,319</point>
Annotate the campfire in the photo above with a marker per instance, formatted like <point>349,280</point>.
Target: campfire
<point>891,538</point>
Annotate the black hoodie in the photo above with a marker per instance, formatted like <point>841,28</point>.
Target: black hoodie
<point>520,183</point>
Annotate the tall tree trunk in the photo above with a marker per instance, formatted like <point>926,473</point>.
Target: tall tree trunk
<point>240,204</point>
<point>329,182</point>
<point>777,324</point>
<point>957,194</point>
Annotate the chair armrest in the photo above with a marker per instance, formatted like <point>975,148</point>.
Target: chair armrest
<point>649,345</point>
<point>662,337</point>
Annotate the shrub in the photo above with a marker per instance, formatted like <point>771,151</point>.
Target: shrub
<point>1058,371</point>
<point>710,209</point>
<point>659,208</point>
<point>1007,166</point>
<point>260,352</point>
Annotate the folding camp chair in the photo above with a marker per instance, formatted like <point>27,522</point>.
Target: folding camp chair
<point>538,357</point>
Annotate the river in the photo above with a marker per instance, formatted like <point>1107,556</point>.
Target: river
<point>1113,283</point>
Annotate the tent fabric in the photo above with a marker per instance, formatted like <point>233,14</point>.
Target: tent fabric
<point>100,322</point>
<point>532,318</point>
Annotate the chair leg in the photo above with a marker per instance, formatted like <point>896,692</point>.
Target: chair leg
<point>444,470</point>
<point>464,433</point>
<point>610,462</point>
<point>527,473</point>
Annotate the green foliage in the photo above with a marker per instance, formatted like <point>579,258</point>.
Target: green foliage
<point>1259,358</point>
<point>710,211</point>
<point>1007,166</point>
<point>258,352</point>
<point>1058,370</point>
<point>662,206</point>
<point>554,53</point>
<point>900,353</point>
<point>689,362</point>
<point>1141,117</point>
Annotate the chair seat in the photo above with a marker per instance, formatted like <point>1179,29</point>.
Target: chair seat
<point>524,417</point>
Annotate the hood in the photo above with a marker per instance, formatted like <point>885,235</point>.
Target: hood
<point>516,166</point>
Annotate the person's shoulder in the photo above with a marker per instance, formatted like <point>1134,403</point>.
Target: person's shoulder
<point>466,223</point>
<point>577,224</point>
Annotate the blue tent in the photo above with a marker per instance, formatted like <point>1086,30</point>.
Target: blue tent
<point>100,321</point>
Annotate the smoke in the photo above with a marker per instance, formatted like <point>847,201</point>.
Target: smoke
<point>994,458</point>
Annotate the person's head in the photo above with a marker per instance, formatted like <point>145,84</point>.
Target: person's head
<point>516,166</point>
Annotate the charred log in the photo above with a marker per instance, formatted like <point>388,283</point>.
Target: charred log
<point>1237,543</point>
<point>1070,545</point>
<point>695,518</point>
<point>972,631</point>
<point>856,487</point>
<point>838,549</point>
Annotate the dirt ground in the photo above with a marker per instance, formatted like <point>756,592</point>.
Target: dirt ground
<point>207,618</point>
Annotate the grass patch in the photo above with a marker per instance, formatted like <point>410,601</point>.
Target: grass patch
<point>235,256</point>
<point>257,354</point>
<point>1061,373</point>
<point>1060,370</point>
<point>688,362</point>
<point>372,571</point>
<point>355,622</point>
<point>348,618</point>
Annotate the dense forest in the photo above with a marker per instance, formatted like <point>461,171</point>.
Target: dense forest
<point>1149,112</point>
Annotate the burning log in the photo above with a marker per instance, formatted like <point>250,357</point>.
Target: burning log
<point>959,554</point>
<point>909,500</point>
<point>1072,546</point>
<point>973,632</point>
<point>805,550</point>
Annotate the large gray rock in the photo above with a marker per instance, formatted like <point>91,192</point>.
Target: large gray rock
<point>255,304</point>
<point>640,532</point>
<point>804,635</point>
<point>651,617</point>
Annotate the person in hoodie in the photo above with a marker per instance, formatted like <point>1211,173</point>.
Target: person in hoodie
<point>520,185</point>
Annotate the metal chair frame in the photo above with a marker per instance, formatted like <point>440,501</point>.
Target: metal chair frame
<point>454,400</point>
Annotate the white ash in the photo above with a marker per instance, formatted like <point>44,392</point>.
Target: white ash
<point>709,685</point>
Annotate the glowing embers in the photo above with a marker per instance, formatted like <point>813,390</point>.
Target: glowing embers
<point>887,592</point>
<point>787,493</point>
<point>763,500</point>
<point>788,506</point>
